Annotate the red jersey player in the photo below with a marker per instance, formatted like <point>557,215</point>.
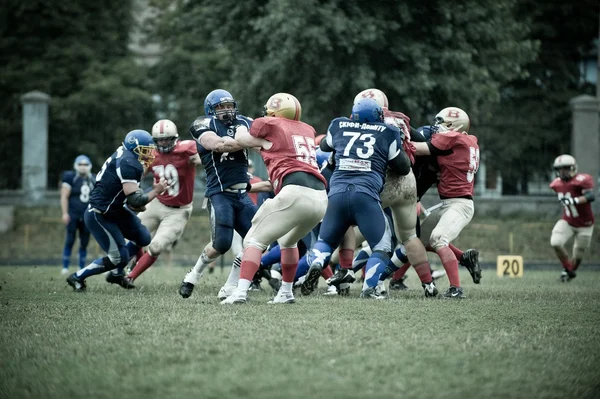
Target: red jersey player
<point>287,146</point>
<point>575,192</point>
<point>176,162</point>
<point>458,158</point>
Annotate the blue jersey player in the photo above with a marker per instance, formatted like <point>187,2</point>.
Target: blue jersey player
<point>227,183</point>
<point>364,147</point>
<point>109,216</point>
<point>74,196</point>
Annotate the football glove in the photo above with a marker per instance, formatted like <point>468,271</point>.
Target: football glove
<point>567,201</point>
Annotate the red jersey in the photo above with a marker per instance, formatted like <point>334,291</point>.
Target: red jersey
<point>254,196</point>
<point>457,169</point>
<point>580,215</point>
<point>293,148</point>
<point>176,168</point>
<point>403,123</point>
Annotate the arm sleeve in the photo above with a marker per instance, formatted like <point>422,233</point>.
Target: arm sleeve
<point>191,147</point>
<point>259,128</point>
<point>67,178</point>
<point>433,150</point>
<point>128,172</point>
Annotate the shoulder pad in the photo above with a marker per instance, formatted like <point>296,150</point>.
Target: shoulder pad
<point>201,125</point>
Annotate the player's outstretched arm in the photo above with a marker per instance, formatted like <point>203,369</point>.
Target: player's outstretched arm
<point>261,187</point>
<point>422,148</point>
<point>137,198</point>
<point>212,142</point>
<point>246,140</point>
<point>195,159</point>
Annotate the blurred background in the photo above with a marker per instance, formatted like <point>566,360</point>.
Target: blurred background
<point>111,66</point>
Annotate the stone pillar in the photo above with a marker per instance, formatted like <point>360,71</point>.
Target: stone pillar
<point>585,141</point>
<point>34,177</point>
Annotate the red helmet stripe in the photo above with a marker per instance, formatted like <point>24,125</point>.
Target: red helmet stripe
<point>161,127</point>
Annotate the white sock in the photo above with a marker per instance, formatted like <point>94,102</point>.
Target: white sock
<point>234,273</point>
<point>243,285</point>
<point>286,288</point>
<point>196,272</point>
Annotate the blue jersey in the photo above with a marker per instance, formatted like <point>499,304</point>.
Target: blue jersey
<point>122,167</point>
<point>80,186</point>
<point>362,151</point>
<point>425,168</point>
<point>223,170</point>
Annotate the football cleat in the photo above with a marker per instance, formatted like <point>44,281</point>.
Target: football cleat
<point>470,260</point>
<point>398,284</point>
<point>282,297</point>
<point>454,293</point>
<point>237,297</point>
<point>186,289</point>
<point>121,280</point>
<point>435,274</point>
<point>342,276</point>
<point>64,271</point>
<point>312,278</point>
<point>567,276</point>
<point>226,291</point>
<point>371,293</point>
<point>430,290</point>
<point>380,288</point>
<point>77,283</point>
<point>344,289</point>
<point>275,281</point>
<point>331,290</point>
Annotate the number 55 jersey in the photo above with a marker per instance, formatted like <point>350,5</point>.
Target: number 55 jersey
<point>293,148</point>
<point>576,215</point>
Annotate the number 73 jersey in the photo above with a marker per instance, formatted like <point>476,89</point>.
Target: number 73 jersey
<point>293,148</point>
<point>580,215</point>
<point>176,168</point>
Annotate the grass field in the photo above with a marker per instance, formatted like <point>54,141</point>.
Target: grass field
<point>523,338</point>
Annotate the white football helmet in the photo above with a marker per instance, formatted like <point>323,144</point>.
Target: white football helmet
<point>164,134</point>
<point>565,167</point>
<point>375,94</point>
<point>283,105</point>
<point>452,119</point>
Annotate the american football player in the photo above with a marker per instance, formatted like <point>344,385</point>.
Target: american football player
<point>364,146</point>
<point>287,147</point>
<point>175,161</point>
<point>108,216</point>
<point>74,196</point>
<point>227,184</point>
<point>458,158</point>
<point>575,193</point>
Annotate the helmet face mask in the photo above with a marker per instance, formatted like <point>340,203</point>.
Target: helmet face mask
<point>451,119</point>
<point>141,144</point>
<point>164,134</point>
<point>565,167</point>
<point>221,104</point>
<point>82,165</point>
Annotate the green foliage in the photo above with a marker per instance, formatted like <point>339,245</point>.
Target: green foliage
<point>72,51</point>
<point>422,55</point>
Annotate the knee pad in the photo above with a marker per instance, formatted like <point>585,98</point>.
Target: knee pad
<point>221,244</point>
<point>438,240</point>
<point>250,242</point>
<point>156,248</point>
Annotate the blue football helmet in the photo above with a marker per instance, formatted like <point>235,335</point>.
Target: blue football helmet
<point>367,110</point>
<point>141,144</point>
<point>219,97</point>
<point>82,165</point>
<point>322,157</point>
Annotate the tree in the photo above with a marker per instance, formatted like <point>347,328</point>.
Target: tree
<point>424,56</point>
<point>69,50</point>
<point>532,123</point>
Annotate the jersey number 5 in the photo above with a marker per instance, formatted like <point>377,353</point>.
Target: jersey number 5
<point>169,172</point>
<point>305,149</point>
<point>473,163</point>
